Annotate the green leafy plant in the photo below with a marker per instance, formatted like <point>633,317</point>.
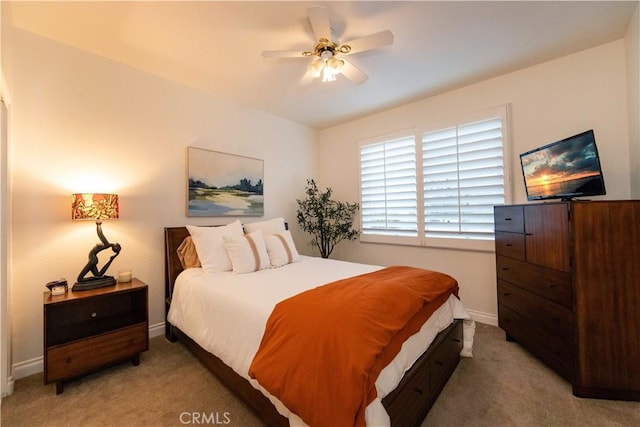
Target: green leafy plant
<point>328,221</point>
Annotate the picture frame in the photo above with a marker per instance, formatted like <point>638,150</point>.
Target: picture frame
<point>223,184</point>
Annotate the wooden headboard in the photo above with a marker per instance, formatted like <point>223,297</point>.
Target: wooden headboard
<point>173,236</point>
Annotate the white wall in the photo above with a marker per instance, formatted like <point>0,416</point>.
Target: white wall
<point>81,123</point>
<point>632,45</point>
<point>548,102</point>
<point>6,373</point>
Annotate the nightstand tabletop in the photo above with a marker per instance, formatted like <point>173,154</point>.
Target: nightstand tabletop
<point>48,298</point>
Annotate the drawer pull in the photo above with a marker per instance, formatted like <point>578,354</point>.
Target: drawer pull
<point>68,360</point>
<point>506,294</point>
<point>94,315</point>
<point>418,390</point>
<point>456,340</point>
<point>439,363</point>
<point>508,245</point>
<point>505,268</point>
<point>507,219</point>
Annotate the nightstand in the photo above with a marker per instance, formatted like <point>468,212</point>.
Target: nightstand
<point>88,330</point>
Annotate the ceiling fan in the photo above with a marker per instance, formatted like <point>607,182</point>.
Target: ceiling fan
<point>329,55</point>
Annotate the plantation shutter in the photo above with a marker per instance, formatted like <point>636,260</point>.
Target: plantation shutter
<point>388,188</point>
<point>463,178</point>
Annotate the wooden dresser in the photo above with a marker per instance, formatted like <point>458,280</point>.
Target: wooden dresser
<point>88,330</point>
<point>568,277</point>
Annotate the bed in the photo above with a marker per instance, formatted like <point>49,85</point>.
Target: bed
<point>405,397</point>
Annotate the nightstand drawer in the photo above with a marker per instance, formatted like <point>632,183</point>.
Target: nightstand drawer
<point>82,356</point>
<point>70,321</point>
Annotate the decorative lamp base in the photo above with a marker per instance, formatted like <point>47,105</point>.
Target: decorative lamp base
<point>94,283</point>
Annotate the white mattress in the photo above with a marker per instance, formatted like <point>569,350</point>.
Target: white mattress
<point>226,313</point>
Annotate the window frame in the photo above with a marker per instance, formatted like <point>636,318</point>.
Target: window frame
<point>484,245</point>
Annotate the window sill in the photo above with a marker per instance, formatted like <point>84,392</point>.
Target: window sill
<point>474,245</point>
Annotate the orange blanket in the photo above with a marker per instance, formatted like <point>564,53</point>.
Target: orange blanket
<point>323,349</point>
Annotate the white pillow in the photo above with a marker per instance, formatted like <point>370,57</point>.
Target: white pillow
<point>210,246</point>
<point>248,252</point>
<point>271,226</point>
<point>281,249</point>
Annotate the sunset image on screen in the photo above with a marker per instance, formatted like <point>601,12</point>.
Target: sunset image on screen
<point>567,168</point>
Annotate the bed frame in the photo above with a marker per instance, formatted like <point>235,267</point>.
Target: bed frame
<point>407,405</point>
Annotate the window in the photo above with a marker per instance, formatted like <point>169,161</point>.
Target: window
<point>462,174</point>
<point>388,188</point>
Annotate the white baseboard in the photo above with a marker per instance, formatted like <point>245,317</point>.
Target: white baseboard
<point>486,318</point>
<point>7,388</point>
<point>156,330</point>
<point>28,367</point>
<point>36,365</point>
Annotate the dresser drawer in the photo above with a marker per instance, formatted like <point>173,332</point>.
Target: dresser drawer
<point>78,357</point>
<point>553,318</point>
<point>556,352</point>
<point>509,218</point>
<point>545,282</point>
<point>510,244</point>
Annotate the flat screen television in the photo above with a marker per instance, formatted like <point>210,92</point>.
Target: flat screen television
<point>564,169</point>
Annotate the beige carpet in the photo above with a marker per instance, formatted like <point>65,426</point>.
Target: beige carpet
<point>501,386</point>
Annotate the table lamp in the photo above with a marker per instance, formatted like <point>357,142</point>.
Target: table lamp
<point>96,207</point>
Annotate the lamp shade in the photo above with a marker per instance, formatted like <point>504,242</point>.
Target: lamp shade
<point>94,206</point>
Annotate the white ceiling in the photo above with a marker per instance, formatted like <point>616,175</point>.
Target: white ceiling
<point>216,46</point>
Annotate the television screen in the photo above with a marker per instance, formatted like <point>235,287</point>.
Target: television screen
<point>563,169</point>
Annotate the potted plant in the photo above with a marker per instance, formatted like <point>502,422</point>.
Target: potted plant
<point>328,221</point>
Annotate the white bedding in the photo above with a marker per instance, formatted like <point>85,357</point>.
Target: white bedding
<point>226,313</point>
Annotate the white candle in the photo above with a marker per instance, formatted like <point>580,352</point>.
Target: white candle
<point>124,276</point>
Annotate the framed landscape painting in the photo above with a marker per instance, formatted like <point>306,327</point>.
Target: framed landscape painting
<point>221,184</point>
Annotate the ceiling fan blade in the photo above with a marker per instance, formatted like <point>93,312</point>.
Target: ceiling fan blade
<point>353,73</point>
<point>282,54</point>
<point>372,41</point>
<point>307,78</point>
<point>319,19</point>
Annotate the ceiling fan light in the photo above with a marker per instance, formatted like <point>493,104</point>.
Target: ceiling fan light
<point>335,65</point>
<point>315,68</point>
<point>328,75</point>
